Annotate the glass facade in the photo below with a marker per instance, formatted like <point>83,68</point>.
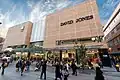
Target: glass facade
<point>38,30</point>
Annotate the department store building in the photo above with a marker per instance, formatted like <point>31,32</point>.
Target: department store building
<point>75,25</point>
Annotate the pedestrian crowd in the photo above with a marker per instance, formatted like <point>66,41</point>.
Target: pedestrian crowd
<point>62,68</point>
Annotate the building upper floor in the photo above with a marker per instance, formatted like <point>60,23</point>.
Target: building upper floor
<point>19,35</point>
<point>80,22</point>
<point>112,28</point>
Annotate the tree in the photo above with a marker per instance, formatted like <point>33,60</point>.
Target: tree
<point>81,54</point>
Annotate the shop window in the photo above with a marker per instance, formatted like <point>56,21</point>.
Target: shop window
<point>115,41</point>
<point>58,42</point>
<point>110,43</point>
<point>38,44</point>
<point>112,32</point>
<point>115,30</point>
<point>118,27</point>
<point>107,37</point>
<point>118,40</point>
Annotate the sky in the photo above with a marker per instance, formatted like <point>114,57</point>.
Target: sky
<point>13,12</point>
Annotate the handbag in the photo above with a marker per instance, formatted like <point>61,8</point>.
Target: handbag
<point>66,73</point>
<point>5,65</point>
<point>117,65</point>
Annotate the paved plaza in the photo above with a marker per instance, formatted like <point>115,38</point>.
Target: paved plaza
<point>11,74</point>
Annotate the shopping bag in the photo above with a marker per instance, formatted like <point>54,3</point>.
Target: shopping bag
<point>16,69</point>
<point>6,64</point>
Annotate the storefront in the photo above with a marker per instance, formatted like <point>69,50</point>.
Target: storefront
<point>34,53</point>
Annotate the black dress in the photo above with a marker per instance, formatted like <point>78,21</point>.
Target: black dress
<point>99,75</point>
<point>57,71</point>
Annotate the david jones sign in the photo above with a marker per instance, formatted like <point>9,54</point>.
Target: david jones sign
<point>77,20</point>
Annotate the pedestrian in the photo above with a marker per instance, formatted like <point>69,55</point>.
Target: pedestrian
<point>99,74</point>
<point>3,66</point>
<point>58,72</point>
<point>17,66</point>
<point>74,68</point>
<point>67,66</point>
<point>28,65</point>
<point>66,73</point>
<point>90,64</point>
<point>117,67</point>
<point>22,66</point>
<point>61,65</point>
<point>38,66</point>
<point>113,61</point>
<point>44,66</point>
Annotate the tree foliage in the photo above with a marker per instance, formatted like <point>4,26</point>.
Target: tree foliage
<point>81,53</point>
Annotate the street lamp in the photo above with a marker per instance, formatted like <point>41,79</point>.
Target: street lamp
<point>93,39</point>
<point>97,38</point>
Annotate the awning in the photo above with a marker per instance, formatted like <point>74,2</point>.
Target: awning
<point>8,49</point>
<point>34,50</point>
<point>115,53</point>
<point>58,48</point>
<point>72,47</point>
<point>21,50</point>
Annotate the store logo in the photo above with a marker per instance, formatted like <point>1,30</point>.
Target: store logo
<point>84,18</point>
<point>77,20</point>
<point>67,22</point>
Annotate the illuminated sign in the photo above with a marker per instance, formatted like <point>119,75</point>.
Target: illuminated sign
<point>77,20</point>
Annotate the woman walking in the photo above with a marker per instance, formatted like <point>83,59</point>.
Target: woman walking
<point>57,71</point>
<point>99,74</point>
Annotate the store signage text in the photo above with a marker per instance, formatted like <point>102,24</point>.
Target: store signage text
<point>77,20</point>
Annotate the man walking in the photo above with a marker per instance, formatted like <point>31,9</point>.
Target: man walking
<point>22,66</point>
<point>28,65</point>
<point>44,66</point>
<point>4,65</point>
<point>74,68</point>
<point>58,73</point>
